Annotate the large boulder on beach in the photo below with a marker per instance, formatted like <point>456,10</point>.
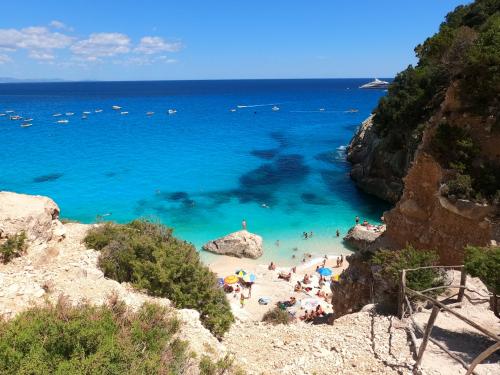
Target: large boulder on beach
<point>241,244</point>
<point>361,236</point>
<point>36,216</point>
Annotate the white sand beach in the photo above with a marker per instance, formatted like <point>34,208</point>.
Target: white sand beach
<point>268,285</point>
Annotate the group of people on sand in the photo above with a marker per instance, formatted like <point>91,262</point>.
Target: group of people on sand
<point>310,315</point>
<point>306,235</point>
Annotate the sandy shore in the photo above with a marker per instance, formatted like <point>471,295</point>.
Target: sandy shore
<point>268,285</point>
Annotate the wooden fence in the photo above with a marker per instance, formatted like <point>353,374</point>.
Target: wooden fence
<point>405,308</point>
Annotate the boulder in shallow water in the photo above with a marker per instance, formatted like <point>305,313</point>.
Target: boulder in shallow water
<point>360,236</point>
<point>241,244</point>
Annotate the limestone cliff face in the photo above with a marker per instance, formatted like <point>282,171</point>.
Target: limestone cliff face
<point>375,168</point>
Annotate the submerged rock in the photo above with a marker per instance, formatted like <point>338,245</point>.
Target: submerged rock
<point>360,236</point>
<point>241,244</point>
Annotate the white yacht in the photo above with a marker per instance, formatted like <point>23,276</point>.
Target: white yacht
<point>28,119</point>
<point>172,111</point>
<point>233,109</point>
<point>62,121</point>
<point>321,109</point>
<point>116,107</point>
<point>57,114</point>
<point>150,113</point>
<point>9,111</point>
<point>124,113</point>
<point>16,117</point>
<point>25,125</point>
<point>98,110</point>
<point>86,113</point>
<point>375,84</point>
<point>70,113</point>
<point>275,108</point>
<point>3,114</point>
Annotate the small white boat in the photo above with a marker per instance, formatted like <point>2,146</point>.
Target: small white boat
<point>275,108</point>
<point>116,107</point>
<point>25,125</point>
<point>16,117</point>
<point>233,109</point>
<point>28,119</point>
<point>150,113</point>
<point>124,113</point>
<point>62,121</point>
<point>57,114</point>
<point>9,111</point>
<point>86,113</point>
<point>172,111</point>
<point>84,117</point>
<point>98,111</point>
<point>70,113</point>
<point>321,109</point>
<point>3,114</point>
<point>352,110</point>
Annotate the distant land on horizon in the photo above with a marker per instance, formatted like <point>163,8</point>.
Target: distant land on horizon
<point>55,80</point>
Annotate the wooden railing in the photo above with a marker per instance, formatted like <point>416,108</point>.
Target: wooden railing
<point>405,308</point>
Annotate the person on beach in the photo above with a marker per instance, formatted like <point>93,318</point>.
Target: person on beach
<point>242,300</point>
<point>357,220</point>
<point>244,224</point>
<point>294,269</point>
<point>304,234</point>
<point>338,233</point>
<point>310,234</point>
<point>341,260</point>
<point>306,279</point>
<point>272,266</point>
<point>338,262</point>
<point>298,287</point>
<point>277,243</point>
<point>250,290</point>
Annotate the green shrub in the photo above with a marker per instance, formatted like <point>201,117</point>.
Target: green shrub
<point>392,262</point>
<point>14,247</point>
<point>223,366</point>
<point>277,316</point>
<point>62,339</point>
<point>484,262</point>
<point>460,186</point>
<point>147,255</point>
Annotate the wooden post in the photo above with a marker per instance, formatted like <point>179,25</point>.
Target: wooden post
<point>427,333</point>
<point>401,294</point>
<point>481,357</point>
<point>463,280</point>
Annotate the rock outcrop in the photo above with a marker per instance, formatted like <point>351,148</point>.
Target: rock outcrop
<point>36,216</point>
<point>361,237</point>
<point>376,168</point>
<point>241,244</point>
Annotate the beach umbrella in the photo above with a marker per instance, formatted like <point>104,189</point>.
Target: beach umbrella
<point>231,279</point>
<point>240,273</point>
<point>309,303</point>
<point>220,281</point>
<point>324,271</point>
<point>249,278</point>
<point>335,277</point>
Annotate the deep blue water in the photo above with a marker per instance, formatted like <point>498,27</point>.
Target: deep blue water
<point>201,170</point>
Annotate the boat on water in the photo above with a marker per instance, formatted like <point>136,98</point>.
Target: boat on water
<point>86,113</point>
<point>98,111</point>
<point>172,111</point>
<point>57,114</point>
<point>3,114</point>
<point>275,108</point>
<point>70,113</point>
<point>321,109</point>
<point>233,109</point>
<point>352,110</point>
<point>124,113</point>
<point>62,121</point>
<point>150,113</point>
<point>9,111</point>
<point>16,117</point>
<point>375,84</point>
<point>84,117</point>
<point>26,125</point>
<point>28,119</point>
<point>116,107</point>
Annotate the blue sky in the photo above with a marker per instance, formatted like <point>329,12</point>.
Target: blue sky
<point>219,39</point>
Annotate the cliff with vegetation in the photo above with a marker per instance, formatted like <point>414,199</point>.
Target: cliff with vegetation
<point>432,146</point>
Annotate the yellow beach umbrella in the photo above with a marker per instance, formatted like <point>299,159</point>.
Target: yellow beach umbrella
<point>240,273</point>
<point>231,279</point>
<point>335,277</point>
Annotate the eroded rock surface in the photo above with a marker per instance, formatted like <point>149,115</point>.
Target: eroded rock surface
<point>361,236</point>
<point>241,244</point>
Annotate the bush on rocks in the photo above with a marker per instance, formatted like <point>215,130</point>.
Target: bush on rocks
<point>61,339</point>
<point>277,316</point>
<point>14,247</point>
<point>147,255</point>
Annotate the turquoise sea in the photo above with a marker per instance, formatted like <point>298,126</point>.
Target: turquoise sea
<point>201,170</point>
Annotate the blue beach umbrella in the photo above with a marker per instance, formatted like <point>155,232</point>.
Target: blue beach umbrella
<point>324,271</point>
<point>249,278</point>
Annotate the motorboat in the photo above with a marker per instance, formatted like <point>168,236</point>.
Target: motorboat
<point>26,125</point>
<point>62,121</point>
<point>70,113</point>
<point>124,113</point>
<point>116,107</point>
<point>9,111</point>
<point>86,113</point>
<point>16,117</point>
<point>275,108</point>
<point>28,119</point>
<point>57,114</point>
<point>3,114</point>
<point>321,109</point>
<point>150,113</point>
<point>375,84</point>
<point>352,110</point>
<point>233,109</point>
<point>84,117</point>
<point>172,111</point>
<point>98,111</point>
